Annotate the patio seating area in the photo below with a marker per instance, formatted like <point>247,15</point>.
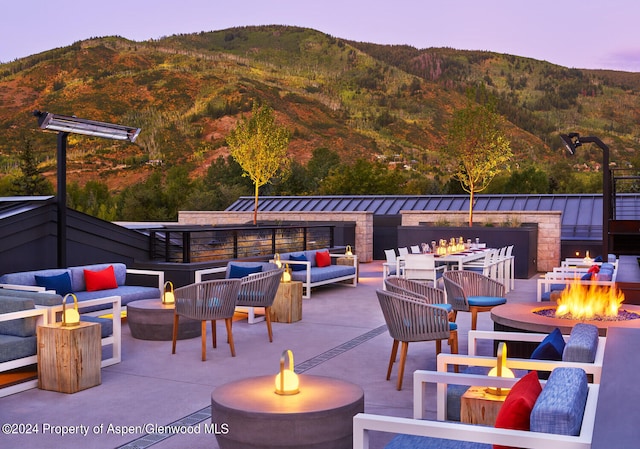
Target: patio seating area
<point>153,398</point>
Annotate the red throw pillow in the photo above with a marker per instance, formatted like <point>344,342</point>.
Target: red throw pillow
<point>323,259</point>
<point>100,280</point>
<point>516,410</point>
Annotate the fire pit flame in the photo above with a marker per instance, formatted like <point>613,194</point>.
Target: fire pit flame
<point>586,302</point>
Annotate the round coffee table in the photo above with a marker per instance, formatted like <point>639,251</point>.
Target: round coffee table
<point>149,319</point>
<point>319,417</point>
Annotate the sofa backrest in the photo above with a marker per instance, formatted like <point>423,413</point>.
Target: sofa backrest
<point>29,277</point>
<point>310,255</point>
<point>582,344</point>
<point>77,274</point>
<point>22,327</point>
<point>241,269</point>
<point>560,407</point>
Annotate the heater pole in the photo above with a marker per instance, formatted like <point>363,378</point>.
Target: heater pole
<point>62,199</point>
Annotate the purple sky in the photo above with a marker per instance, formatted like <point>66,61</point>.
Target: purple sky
<point>572,33</point>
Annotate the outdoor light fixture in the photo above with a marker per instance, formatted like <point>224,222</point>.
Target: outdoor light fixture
<point>571,142</point>
<point>70,317</point>
<point>348,252</point>
<point>287,382</point>
<point>286,274</point>
<point>501,370</point>
<point>277,261</point>
<point>66,125</point>
<point>167,293</point>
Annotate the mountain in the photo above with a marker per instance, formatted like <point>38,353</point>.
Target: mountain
<point>360,99</point>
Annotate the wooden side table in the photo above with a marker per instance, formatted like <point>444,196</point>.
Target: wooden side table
<point>287,307</point>
<point>479,407</point>
<point>69,357</point>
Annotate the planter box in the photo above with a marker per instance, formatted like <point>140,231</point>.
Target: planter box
<point>524,240</point>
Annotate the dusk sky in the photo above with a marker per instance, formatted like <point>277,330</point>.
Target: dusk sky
<point>572,33</point>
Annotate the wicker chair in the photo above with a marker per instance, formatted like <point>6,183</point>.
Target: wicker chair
<point>419,290</point>
<point>207,301</point>
<point>468,291</point>
<point>409,319</point>
<point>259,290</point>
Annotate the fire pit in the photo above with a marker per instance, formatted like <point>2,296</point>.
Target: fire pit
<point>579,303</point>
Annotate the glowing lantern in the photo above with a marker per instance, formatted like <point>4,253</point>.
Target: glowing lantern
<point>287,382</point>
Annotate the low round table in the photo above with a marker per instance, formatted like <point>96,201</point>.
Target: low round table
<point>319,417</point>
<point>149,319</point>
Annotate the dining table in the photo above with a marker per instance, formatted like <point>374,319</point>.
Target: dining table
<point>457,260</point>
<point>462,257</point>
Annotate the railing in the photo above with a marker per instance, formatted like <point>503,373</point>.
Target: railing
<point>187,244</point>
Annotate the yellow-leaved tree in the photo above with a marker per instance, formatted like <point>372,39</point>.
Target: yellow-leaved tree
<point>259,145</point>
<point>477,148</point>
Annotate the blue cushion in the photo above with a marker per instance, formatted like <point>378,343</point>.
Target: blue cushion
<point>416,442</point>
<point>12,347</point>
<point>106,324</point>
<point>557,287</point>
<point>237,272</point>
<point>61,283</point>
<point>586,277</point>
<point>447,307</point>
<point>484,301</point>
<point>560,406</point>
<point>22,327</point>
<point>582,344</point>
<point>551,347</point>
<point>453,326</point>
<point>298,258</point>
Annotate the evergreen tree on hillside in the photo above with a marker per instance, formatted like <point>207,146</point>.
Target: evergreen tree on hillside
<point>31,181</point>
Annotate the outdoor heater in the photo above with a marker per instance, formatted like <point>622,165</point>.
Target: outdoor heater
<point>571,142</point>
<point>66,125</point>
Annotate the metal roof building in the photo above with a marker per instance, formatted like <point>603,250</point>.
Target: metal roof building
<point>581,213</point>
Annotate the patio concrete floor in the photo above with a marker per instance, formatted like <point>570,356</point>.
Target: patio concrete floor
<point>342,334</point>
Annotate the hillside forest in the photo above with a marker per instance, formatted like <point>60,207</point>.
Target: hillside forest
<point>363,118</point>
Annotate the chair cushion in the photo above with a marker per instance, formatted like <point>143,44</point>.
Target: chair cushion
<point>448,307</point>
<point>238,272</point>
<point>453,326</point>
<point>515,413</point>
<point>560,407</point>
<point>60,283</point>
<point>298,258</point>
<point>22,327</point>
<point>582,344</point>
<point>100,280</point>
<point>484,301</point>
<point>550,348</point>
<point>12,347</point>
<point>106,325</point>
<point>416,442</point>
<point>323,259</point>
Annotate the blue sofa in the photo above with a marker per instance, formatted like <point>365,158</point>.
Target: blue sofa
<point>306,270</point>
<point>37,280</point>
<point>18,345</point>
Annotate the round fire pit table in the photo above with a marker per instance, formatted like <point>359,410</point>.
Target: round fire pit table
<point>320,416</point>
<point>149,319</point>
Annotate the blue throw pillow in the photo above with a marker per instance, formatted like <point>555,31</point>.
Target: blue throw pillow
<point>586,277</point>
<point>297,266</point>
<point>61,283</point>
<point>551,348</point>
<point>237,271</point>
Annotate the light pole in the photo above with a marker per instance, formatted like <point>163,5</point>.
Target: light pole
<point>66,125</point>
<point>572,141</point>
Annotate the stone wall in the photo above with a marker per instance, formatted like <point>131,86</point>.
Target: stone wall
<point>549,226</point>
<point>363,220</point>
